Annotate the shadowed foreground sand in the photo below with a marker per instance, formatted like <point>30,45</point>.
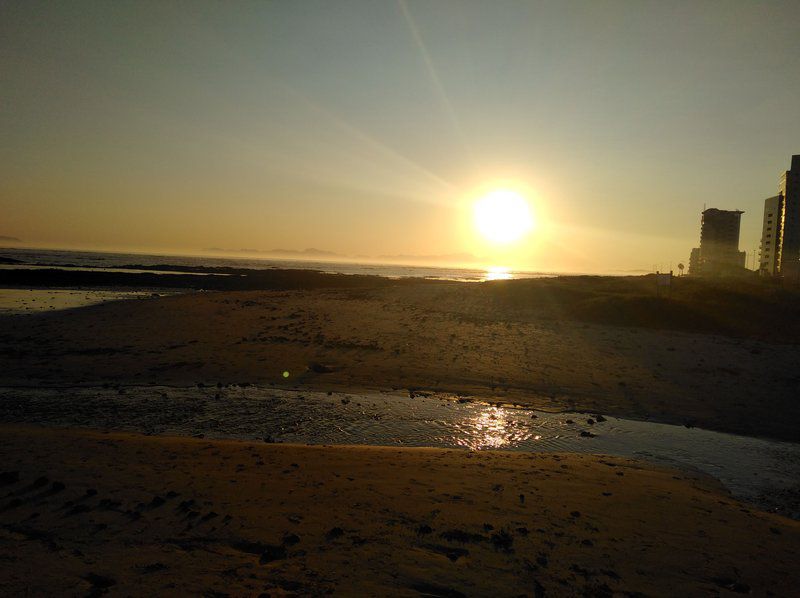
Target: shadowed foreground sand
<point>90,513</point>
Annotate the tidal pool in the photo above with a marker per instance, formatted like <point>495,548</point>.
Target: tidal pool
<point>762,471</point>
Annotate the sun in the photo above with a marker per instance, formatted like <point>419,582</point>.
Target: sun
<point>502,216</point>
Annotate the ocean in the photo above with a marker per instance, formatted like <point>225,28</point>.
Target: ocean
<point>59,258</point>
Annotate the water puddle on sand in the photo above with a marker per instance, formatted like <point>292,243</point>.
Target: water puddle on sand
<point>30,301</point>
<point>761,471</point>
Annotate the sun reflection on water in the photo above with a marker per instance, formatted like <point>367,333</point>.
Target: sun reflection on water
<point>492,428</point>
<point>498,273</point>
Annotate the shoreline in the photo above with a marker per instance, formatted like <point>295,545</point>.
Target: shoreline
<point>458,339</point>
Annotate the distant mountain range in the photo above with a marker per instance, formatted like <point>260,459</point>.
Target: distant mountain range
<point>310,252</point>
<point>313,253</point>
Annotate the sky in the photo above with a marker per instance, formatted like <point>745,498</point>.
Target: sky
<point>372,127</point>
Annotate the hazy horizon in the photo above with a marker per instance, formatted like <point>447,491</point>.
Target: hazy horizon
<point>369,129</point>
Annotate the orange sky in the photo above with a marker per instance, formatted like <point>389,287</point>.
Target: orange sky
<point>370,128</point>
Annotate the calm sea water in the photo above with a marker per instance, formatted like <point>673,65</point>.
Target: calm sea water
<point>86,259</point>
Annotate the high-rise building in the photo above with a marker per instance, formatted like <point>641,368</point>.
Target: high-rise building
<point>770,234</point>
<point>719,244</point>
<point>780,236</point>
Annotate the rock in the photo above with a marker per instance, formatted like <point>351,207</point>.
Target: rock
<point>320,368</point>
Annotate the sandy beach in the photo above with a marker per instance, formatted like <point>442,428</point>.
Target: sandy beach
<point>523,343</point>
<point>89,512</point>
<point>376,299</point>
<point>129,514</point>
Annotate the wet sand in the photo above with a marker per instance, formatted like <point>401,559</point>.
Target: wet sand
<point>91,512</point>
<point>28,301</point>
<point>449,338</point>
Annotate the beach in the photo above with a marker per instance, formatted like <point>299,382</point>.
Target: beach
<point>99,486</point>
<point>91,512</point>
<point>530,343</point>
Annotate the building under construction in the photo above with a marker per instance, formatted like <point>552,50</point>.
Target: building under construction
<point>718,253</point>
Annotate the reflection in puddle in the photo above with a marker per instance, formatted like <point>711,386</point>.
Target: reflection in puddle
<point>491,428</point>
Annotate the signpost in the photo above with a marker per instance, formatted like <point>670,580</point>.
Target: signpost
<point>663,280</point>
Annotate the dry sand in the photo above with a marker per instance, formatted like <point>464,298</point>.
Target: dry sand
<point>136,515</point>
<point>452,338</point>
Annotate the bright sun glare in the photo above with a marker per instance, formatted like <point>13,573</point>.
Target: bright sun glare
<point>502,216</point>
